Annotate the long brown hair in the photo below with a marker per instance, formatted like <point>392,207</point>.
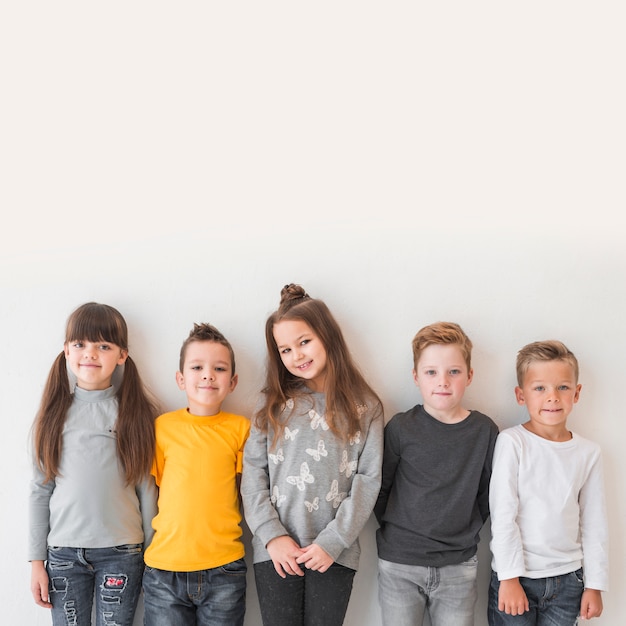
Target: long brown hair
<point>137,408</point>
<point>347,391</point>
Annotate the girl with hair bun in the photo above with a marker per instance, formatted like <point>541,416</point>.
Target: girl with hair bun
<point>312,466</point>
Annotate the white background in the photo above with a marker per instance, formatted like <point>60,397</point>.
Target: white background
<point>405,162</point>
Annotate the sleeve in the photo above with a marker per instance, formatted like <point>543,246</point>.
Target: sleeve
<point>391,459</point>
<point>244,438</point>
<point>485,478</point>
<point>39,515</point>
<point>260,514</point>
<point>354,512</point>
<point>594,528</point>
<point>159,458</point>
<point>147,494</point>
<point>506,543</point>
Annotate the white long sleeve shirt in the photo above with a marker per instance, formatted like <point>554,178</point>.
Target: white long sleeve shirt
<point>548,512</point>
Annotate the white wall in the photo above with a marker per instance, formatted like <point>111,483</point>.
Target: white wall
<point>405,163</point>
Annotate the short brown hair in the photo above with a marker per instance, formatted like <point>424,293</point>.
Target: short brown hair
<point>205,332</point>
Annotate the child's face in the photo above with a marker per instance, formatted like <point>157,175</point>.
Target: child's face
<point>549,392</point>
<point>442,377</point>
<point>207,377</point>
<point>93,363</point>
<point>302,352</point>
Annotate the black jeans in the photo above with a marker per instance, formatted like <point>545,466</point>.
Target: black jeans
<point>311,600</point>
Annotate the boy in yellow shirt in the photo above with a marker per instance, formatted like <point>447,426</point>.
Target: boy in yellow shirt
<point>195,571</point>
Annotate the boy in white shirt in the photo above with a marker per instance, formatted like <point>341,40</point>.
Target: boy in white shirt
<point>547,503</point>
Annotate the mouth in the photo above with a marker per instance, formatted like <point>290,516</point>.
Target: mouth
<point>304,365</point>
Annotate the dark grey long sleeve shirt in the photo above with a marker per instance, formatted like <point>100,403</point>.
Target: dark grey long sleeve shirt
<point>434,497</point>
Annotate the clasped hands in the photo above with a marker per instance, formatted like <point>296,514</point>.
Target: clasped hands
<point>288,556</point>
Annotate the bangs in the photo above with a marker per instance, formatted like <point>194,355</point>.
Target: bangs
<point>97,322</point>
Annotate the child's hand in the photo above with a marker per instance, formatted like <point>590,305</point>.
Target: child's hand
<point>591,604</point>
<point>512,597</point>
<point>39,584</point>
<point>315,558</point>
<point>284,551</point>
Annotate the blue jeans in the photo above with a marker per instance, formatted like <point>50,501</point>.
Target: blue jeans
<point>215,597</point>
<point>314,599</point>
<point>407,592</point>
<point>76,573</point>
<point>553,601</point>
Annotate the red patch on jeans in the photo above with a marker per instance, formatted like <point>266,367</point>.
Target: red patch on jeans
<point>114,582</point>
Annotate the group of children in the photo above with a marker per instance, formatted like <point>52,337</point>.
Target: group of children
<point>127,500</point>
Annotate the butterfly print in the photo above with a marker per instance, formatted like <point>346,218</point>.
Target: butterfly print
<point>304,478</point>
<point>318,453</point>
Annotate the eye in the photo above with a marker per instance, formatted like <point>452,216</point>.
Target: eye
<point>455,372</point>
<point>539,388</point>
<point>104,347</point>
<point>196,368</point>
<point>220,369</point>
<point>304,342</point>
<point>430,372</point>
<point>285,351</point>
<point>564,387</point>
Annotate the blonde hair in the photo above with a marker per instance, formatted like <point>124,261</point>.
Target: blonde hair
<point>549,350</point>
<point>442,333</point>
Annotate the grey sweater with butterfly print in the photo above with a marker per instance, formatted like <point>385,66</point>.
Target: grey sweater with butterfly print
<point>312,486</point>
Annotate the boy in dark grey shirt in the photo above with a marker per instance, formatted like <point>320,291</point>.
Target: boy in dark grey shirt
<point>434,497</point>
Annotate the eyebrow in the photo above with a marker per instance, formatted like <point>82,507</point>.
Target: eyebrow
<point>299,338</point>
<point>202,361</point>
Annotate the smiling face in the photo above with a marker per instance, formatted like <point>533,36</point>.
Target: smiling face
<point>301,352</point>
<point>207,377</point>
<point>442,377</point>
<point>93,362</point>
<point>549,391</point>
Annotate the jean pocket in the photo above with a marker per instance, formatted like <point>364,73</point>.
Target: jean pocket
<point>129,548</point>
<point>235,568</point>
<point>472,561</point>
<point>579,576</point>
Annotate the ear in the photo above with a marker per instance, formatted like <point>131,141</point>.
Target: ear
<point>470,377</point>
<point>519,396</point>
<point>415,379</point>
<point>577,394</point>
<point>233,383</point>
<point>123,357</point>
<point>180,381</point>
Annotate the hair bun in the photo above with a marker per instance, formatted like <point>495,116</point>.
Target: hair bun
<point>290,294</point>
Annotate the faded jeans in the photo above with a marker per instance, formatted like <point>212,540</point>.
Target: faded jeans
<point>208,597</point>
<point>112,575</point>
<point>554,601</point>
<point>448,594</point>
